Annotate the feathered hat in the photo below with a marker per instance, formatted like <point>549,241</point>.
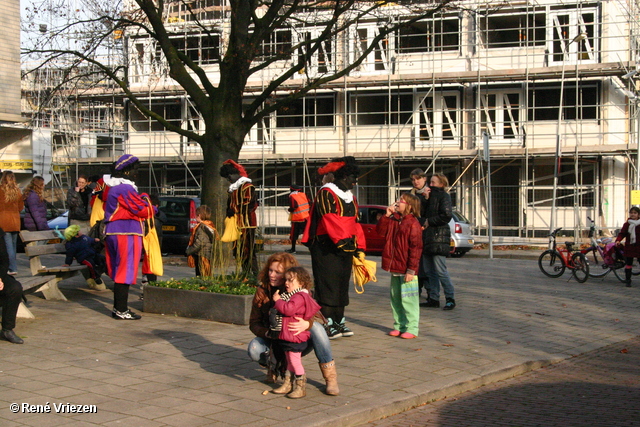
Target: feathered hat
<point>230,163</point>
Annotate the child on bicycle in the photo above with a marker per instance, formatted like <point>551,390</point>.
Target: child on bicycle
<point>631,232</point>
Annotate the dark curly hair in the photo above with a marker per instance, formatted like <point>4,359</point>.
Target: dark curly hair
<point>227,170</point>
<point>350,167</point>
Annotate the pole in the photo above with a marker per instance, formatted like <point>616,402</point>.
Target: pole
<point>487,158</point>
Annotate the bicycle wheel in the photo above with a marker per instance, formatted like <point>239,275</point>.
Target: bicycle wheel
<point>635,267</point>
<point>580,267</point>
<point>597,267</point>
<point>550,263</point>
<point>618,270</point>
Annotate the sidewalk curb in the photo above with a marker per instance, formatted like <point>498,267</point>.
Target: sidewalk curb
<point>350,416</point>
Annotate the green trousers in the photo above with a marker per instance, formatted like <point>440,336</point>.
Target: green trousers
<point>405,304</point>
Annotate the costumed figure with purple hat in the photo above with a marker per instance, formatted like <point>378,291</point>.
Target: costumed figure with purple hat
<point>334,237</point>
<point>124,214</point>
<point>242,203</point>
<point>299,208</point>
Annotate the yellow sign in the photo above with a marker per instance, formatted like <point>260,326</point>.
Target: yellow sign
<point>16,164</point>
<point>635,197</point>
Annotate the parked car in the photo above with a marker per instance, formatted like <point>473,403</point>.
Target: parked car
<point>461,235</point>
<point>61,222</point>
<point>461,230</point>
<point>181,218</point>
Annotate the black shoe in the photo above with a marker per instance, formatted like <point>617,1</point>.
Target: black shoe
<point>430,303</point>
<point>333,331</point>
<point>450,305</point>
<point>11,336</point>
<point>125,315</point>
<point>290,251</point>
<point>344,329</point>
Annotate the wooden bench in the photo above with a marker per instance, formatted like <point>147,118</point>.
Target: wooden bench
<point>34,284</point>
<point>34,248</point>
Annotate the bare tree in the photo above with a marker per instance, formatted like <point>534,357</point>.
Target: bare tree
<point>80,36</point>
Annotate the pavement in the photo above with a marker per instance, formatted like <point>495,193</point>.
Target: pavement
<point>171,371</point>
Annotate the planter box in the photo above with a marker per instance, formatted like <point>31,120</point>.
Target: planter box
<point>200,305</point>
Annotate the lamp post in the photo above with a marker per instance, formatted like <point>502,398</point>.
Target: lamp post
<point>556,165</point>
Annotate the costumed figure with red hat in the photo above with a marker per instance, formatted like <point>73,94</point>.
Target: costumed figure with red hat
<point>299,208</point>
<point>242,203</point>
<point>124,214</point>
<point>334,237</point>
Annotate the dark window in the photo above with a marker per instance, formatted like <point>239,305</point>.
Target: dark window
<point>577,104</point>
<point>381,109</point>
<point>200,48</point>
<point>515,30</point>
<point>312,112</point>
<point>279,44</point>
<point>429,36</point>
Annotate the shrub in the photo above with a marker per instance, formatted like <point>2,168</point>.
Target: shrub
<point>221,284</point>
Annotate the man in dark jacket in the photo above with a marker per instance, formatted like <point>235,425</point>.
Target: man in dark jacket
<point>10,296</point>
<point>436,242</point>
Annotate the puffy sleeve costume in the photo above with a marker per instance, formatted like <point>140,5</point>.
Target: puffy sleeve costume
<point>242,203</point>
<point>124,213</point>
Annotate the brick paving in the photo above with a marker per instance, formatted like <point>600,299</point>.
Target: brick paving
<point>171,371</point>
<point>597,388</point>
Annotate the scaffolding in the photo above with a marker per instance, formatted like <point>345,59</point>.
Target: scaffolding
<point>550,82</point>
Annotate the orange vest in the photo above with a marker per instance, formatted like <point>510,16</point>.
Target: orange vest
<point>302,211</point>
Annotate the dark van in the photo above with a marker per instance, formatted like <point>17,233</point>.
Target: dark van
<point>181,219</point>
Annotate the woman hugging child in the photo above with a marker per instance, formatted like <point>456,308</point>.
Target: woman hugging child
<point>295,302</point>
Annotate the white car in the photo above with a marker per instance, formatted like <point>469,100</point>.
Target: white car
<point>61,222</point>
<point>461,235</point>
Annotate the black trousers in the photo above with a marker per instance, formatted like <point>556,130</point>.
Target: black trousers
<point>10,297</point>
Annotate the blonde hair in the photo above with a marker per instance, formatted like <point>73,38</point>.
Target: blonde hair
<point>10,187</point>
<point>36,185</point>
<point>413,202</point>
<point>443,179</point>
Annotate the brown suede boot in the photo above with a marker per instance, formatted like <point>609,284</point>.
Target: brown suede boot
<point>286,386</point>
<point>330,377</point>
<point>299,387</point>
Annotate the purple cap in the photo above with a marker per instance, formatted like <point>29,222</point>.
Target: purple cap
<point>125,160</point>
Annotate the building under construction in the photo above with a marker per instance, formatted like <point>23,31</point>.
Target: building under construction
<point>529,107</point>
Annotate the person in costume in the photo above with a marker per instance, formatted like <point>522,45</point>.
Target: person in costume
<point>299,211</point>
<point>124,214</point>
<point>334,237</point>
<point>242,203</point>
<point>200,249</point>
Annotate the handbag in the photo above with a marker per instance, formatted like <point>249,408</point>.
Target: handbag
<point>231,230</point>
<point>152,262</point>
<point>364,271</point>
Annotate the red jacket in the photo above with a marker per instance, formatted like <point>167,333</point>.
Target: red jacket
<point>403,247</point>
<point>630,251</point>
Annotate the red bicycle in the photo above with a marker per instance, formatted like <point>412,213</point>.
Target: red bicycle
<point>554,262</point>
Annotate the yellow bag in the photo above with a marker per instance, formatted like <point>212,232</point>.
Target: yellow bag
<point>231,230</point>
<point>152,262</point>
<point>364,271</point>
<point>152,253</point>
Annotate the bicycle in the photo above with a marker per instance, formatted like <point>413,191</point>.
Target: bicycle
<point>604,257</point>
<point>553,262</point>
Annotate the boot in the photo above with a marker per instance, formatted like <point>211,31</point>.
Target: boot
<point>286,386</point>
<point>330,377</point>
<point>271,377</point>
<point>627,277</point>
<point>299,387</point>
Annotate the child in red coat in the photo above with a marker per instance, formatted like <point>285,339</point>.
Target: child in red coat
<point>296,302</point>
<point>631,232</point>
<point>401,257</point>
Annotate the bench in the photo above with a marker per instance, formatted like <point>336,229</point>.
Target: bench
<point>34,284</point>
<point>36,245</point>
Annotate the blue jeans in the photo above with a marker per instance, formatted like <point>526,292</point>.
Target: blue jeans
<point>11,241</point>
<point>319,341</point>
<point>435,269</point>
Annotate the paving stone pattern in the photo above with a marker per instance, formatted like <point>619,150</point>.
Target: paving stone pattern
<point>597,388</point>
<point>170,371</point>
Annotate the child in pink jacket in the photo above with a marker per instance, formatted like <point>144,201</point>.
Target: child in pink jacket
<point>296,302</point>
